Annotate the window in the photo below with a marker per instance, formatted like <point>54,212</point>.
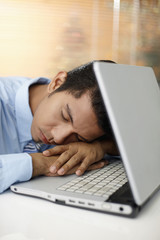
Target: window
<point>41,37</point>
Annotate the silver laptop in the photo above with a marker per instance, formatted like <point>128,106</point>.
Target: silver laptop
<point>132,99</point>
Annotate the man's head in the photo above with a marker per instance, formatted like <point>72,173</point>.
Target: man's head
<point>82,80</point>
<point>77,106</point>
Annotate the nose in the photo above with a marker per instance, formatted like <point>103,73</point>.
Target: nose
<point>63,135</point>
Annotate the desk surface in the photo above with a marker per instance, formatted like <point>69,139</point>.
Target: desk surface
<point>28,218</point>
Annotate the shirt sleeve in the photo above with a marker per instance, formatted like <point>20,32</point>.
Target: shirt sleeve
<point>14,168</point>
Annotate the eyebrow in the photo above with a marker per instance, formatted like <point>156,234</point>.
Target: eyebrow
<point>71,119</point>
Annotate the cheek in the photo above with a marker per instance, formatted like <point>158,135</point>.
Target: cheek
<point>47,113</point>
<point>48,119</point>
<point>42,114</point>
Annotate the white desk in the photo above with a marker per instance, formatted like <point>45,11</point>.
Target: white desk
<point>27,218</point>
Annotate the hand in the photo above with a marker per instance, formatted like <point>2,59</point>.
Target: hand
<point>72,154</point>
<point>42,164</point>
<point>94,166</point>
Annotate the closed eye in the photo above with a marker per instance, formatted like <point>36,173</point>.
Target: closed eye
<point>81,139</point>
<point>63,117</point>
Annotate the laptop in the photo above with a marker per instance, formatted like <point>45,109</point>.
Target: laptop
<point>132,99</point>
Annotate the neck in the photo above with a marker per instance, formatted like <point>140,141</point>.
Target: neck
<point>37,93</point>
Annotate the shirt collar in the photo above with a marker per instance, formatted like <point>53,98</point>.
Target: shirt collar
<point>24,115</point>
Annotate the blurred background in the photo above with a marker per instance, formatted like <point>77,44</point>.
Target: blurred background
<point>41,37</point>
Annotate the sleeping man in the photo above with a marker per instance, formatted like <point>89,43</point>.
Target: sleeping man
<point>52,127</point>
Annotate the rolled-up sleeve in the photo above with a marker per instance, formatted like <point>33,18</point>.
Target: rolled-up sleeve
<point>14,168</point>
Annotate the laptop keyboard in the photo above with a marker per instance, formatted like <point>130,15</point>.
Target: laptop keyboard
<point>102,182</point>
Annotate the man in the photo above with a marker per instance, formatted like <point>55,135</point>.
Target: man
<point>38,113</point>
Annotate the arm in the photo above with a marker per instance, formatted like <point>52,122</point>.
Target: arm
<point>14,168</point>
<point>22,167</point>
<point>84,154</point>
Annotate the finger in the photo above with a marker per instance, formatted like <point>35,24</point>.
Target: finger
<point>98,165</point>
<point>88,166</point>
<point>83,167</point>
<point>74,160</point>
<point>51,174</point>
<point>55,151</point>
<point>94,166</point>
<point>64,157</point>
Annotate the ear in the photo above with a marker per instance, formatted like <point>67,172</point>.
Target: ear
<point>57,81</point>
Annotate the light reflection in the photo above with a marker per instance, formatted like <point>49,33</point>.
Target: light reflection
<point>134,32</point>
<point>115,44</point>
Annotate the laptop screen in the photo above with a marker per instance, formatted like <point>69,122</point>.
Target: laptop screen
<point>132,99</point>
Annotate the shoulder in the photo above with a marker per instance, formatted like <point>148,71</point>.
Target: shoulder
<point>11,83</point>
<point>9,86</point>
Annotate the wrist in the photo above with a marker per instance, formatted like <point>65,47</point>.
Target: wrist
<point>38,166</point>
<point>99,145</point>
<point>107,147</point>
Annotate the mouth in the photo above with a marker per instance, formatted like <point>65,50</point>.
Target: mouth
<point>43,138</point>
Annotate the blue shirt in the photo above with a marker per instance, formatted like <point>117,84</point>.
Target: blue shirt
<point>15,129</point>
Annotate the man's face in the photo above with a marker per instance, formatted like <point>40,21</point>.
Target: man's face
<point>61,119</point>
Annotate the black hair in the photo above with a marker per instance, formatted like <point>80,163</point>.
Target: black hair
<point>82,80</point>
